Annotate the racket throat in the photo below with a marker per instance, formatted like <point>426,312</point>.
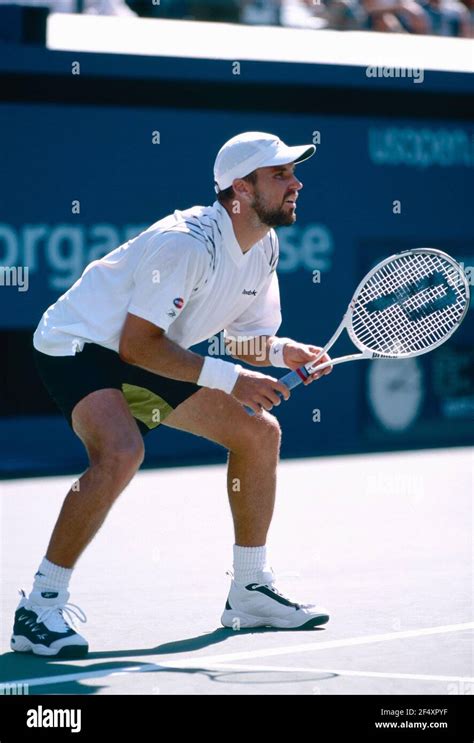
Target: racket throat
<point>341,360</point>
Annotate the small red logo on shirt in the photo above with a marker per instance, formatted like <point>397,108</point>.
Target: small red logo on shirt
<point>178,302</point>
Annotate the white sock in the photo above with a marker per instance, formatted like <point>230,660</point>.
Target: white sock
<point>248,563</point>
<point>51,577</point>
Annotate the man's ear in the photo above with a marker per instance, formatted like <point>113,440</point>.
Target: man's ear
<point>241,188</point>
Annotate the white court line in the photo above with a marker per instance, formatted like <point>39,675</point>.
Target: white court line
<point>81,676</point>
<point>314,646</point>
<point>170,666</point>
<point>219,660</point>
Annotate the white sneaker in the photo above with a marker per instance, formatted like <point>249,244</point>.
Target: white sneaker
<point>260,604</point>
<point>41,628</point>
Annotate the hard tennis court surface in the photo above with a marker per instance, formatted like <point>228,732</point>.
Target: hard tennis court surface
<point>383,541</point>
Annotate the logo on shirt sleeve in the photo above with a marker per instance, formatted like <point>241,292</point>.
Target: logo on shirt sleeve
<point>178,302</point>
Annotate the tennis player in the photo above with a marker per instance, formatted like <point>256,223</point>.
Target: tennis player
<point>113,352</point>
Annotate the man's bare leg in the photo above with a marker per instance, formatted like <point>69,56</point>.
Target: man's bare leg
<point>253,443</point>
<point>114,444</point>
<point>115,448</point>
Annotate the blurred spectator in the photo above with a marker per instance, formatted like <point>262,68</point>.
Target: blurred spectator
<point>345,15</point>
<point>92,7</point>
<point>224,11</point>
<point>172,9</point>
<point>260,12</point>
<point>469,29</point>
<point>438,17</point>
<point>447,17</point>
<point>107,7</point>
<point>303,14</point>
<point>396,16</point>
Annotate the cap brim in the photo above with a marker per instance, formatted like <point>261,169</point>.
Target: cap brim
<point>294,154</point>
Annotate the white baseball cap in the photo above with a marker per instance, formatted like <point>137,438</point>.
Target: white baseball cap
<point>245,152</point>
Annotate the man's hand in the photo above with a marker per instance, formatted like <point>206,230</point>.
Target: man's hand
<point>258,390</point>
<point>299,354</point>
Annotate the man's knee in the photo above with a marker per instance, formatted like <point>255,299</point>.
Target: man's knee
<point>270,425</point>
<point>122,459</point>
<point>262,433</point>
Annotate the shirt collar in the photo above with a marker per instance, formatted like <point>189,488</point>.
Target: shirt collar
<point>228,235</point>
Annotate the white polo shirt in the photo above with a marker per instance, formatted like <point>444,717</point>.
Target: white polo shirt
<point>186,274</point>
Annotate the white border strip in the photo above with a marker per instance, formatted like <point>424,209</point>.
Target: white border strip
<point>234,42</point>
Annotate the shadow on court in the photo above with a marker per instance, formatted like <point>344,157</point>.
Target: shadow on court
<point>36,670</point>
<point>10,662</point>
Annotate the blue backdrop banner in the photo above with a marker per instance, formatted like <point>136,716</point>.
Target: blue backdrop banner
<point>79,180</point>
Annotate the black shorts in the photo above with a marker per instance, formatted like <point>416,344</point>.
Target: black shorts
<point>69,379</point>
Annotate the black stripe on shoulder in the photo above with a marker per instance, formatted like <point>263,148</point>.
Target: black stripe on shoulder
<point>207,235</point>
<point>274,254</point>
<point>213,219</point>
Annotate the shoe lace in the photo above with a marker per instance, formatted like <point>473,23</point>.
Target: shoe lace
<point>273,589</point>
<point>61,612</point>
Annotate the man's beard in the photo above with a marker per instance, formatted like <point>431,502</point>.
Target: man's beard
<point>278,217</point>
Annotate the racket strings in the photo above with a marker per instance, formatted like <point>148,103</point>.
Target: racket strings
<point>409,304</point>
<point>394,333</point>
<point>397,315</point>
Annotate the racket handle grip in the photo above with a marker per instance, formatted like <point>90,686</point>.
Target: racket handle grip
<point>290,380</point>
<point>294,378</point>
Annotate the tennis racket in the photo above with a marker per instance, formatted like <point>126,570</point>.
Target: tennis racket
<point>407,305</point>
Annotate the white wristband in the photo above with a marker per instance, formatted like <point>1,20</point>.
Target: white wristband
<point>275,355</point>
<point>218,374</point>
